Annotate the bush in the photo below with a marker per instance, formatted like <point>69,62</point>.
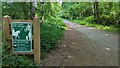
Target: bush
<point>104,19</point>
<point>109,20</point>
<point>90,19</point>
<point>51,32</point>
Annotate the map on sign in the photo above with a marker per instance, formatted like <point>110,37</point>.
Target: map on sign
<point>21,36</point>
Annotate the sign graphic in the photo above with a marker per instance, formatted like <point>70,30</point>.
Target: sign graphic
<point>21,36</point>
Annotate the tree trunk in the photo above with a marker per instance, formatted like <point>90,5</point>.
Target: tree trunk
<point>96,11</point>
<point>94,8</point>
<point>32,10</point>
<point>42,7</point>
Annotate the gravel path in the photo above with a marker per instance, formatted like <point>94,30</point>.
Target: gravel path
<point>84,46</point>
<point>104,37</point>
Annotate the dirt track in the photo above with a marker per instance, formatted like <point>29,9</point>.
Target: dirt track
<point>78,49</point>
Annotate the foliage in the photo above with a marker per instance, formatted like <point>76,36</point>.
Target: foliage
<point>98,26</point>
<point>52,30</point>
<point>17,10</point>
<point>76,10</point>
<point>14,60</point>
<point>89,19</point>
<point>49,10</point>
<point>51,33</point>
<point>108,12</point>
<point>0,11</point>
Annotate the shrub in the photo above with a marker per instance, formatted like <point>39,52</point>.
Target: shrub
<point>51,32</point>
<point>89,19</point>
<point>104,19</point>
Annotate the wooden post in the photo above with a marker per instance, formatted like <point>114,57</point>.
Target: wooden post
<point>36,34</point>
<point>6,32</point>
<point>6,27</point>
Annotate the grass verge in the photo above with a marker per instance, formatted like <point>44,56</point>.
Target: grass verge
<point>98,26</point>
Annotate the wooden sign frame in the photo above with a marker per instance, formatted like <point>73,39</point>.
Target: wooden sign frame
<point>35,37</point>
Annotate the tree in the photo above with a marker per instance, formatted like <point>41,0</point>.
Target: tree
<point>96,11</point>
<point>32,10</point>
<point>17,10</point>
<point>42,7</point>
<point>46,10</point>
<point>0,11</point>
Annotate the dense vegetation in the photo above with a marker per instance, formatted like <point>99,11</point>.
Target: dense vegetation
<point>0,12</point>
<point>100,13</point>
<point>51,28</point>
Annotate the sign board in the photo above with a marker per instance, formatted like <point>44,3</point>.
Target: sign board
<point>21,36</point>
<point>21,32</point>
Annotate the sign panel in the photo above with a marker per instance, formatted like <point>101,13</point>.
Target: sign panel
<point>21,36</point>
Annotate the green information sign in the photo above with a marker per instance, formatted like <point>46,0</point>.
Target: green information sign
<point>21,36</point>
